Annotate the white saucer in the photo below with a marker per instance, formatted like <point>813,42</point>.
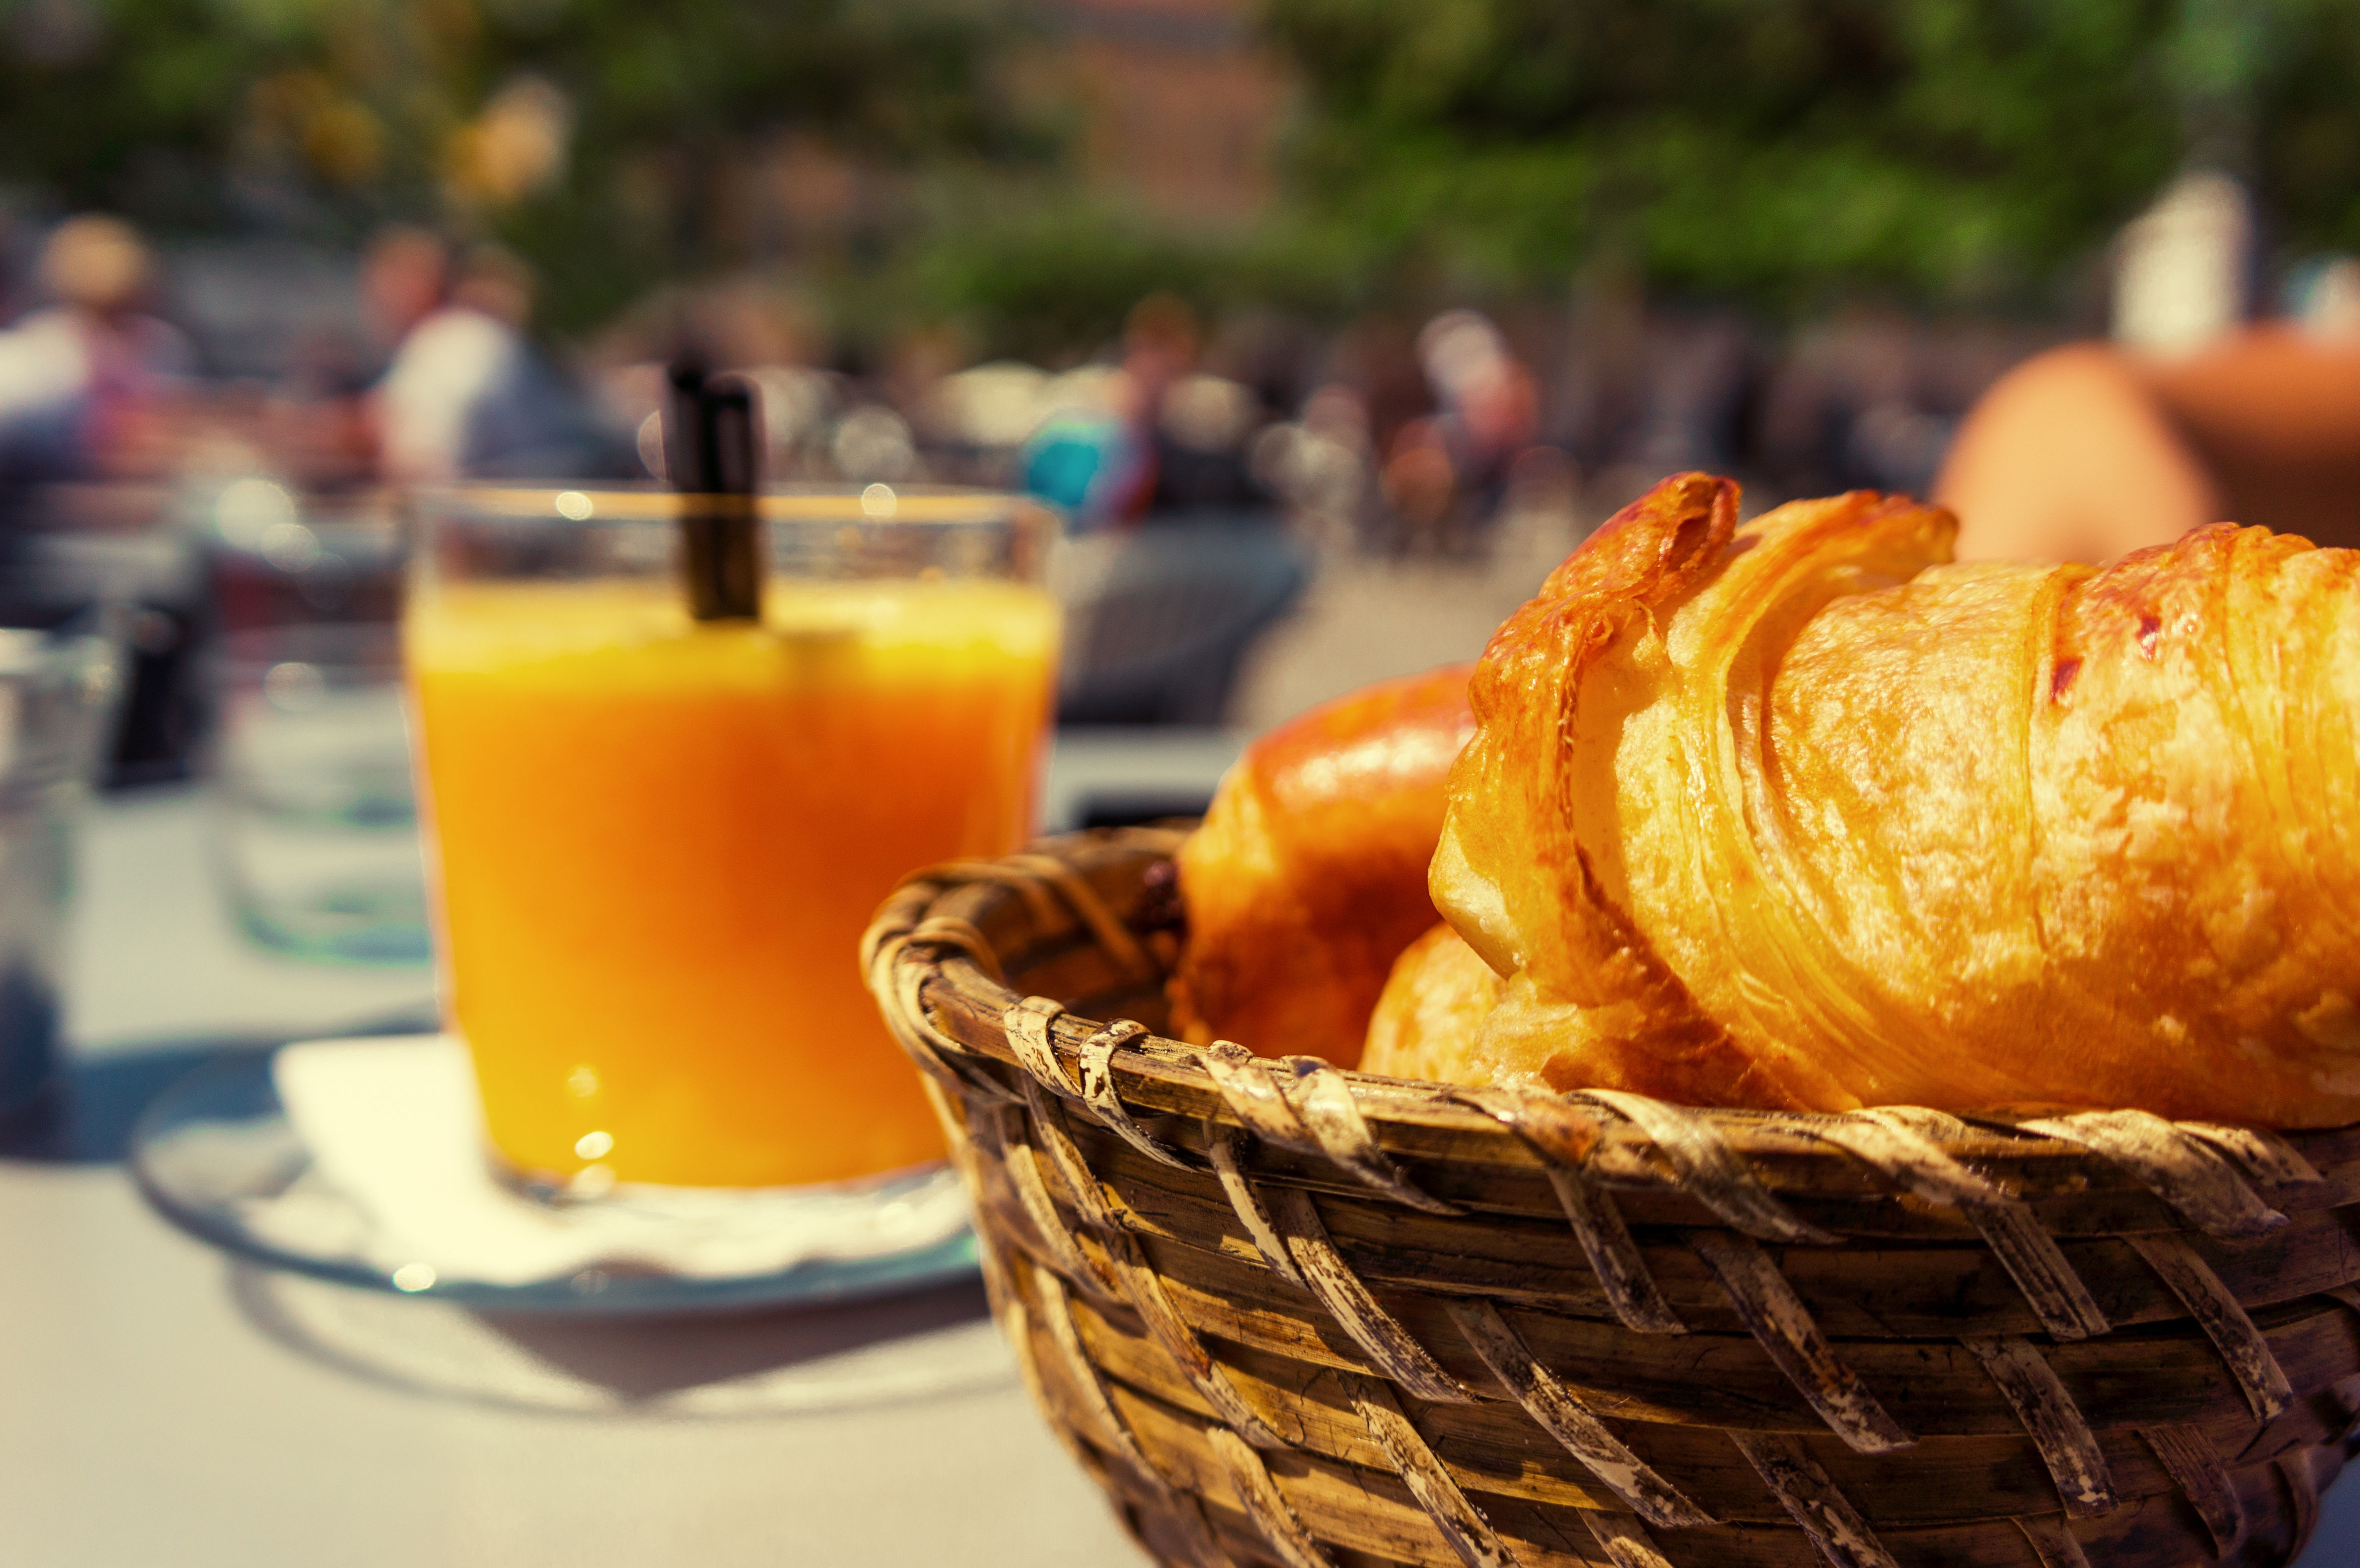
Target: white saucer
<point>360,1161</point>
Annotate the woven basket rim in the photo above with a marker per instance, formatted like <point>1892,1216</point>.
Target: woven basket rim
<point>959,970</point>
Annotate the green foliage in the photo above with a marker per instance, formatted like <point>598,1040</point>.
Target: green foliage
<point>1771,149</point>
<point>338,113</point>
<point>1052,278</point>
<point>2307,137</point>
<point>1779,152</point>
<point>673,102</point>
<point>1783,150</point>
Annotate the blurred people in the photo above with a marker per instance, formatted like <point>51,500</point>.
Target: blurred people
<point>1192,427</point>
<point>1118,455</point>
<point>467,395</point>
<point>1420,484</point>
<point>748,325</point>
<point>1319,463</point>
<point>1445,473</point>
<point>1203,437</point>
<point>318,428</point>
<point>87,381</point>
<point>1489,409</point>
<point>1376,357</point>
<point>2183,269</point>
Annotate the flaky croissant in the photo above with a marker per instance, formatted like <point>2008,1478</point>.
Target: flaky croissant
<point>1309,875</point>
<point>1797,815</point>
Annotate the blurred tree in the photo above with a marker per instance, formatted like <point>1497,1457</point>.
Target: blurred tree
<point>1782,150</point>
<point>1051,279</point>
<point>613,142</point>
<point>2302,76</point>
<point>1778,151</point>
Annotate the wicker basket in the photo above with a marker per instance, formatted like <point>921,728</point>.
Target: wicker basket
<point>1289,1314</point>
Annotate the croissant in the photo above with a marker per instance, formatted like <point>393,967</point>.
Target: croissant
<point>1310,874</point>
<point>1799,815</point>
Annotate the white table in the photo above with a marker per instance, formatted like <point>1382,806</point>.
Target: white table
<point>149,1414</point>
<point>148,1417</point>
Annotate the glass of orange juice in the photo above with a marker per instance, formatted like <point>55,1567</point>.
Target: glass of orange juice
<point>656,841</point>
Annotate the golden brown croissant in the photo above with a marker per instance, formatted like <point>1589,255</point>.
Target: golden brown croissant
<point>1798,815</point>
<point>1309,875</point>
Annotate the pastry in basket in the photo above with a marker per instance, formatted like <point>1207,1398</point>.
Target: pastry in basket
<point>1309,875</point>
<point>1800,814</point>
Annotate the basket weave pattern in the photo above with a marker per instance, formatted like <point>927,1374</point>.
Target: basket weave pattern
<point>1289,1314</point>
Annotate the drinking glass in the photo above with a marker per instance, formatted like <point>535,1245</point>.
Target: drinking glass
<point>56,693</point>
<point>655,841</point>
<point>277,556</point>
<point>318,840</point>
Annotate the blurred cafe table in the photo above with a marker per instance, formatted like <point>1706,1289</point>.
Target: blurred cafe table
<point>162,1403</point>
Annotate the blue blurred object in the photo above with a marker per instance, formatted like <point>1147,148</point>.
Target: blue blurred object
<point>2323,292</point>
<point>1088,464</point>
<point>1160,620</point>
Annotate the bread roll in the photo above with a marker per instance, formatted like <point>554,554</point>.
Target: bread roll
<point>1431,1012</point>
<point>1309,875</point>
<point>1798,815</point>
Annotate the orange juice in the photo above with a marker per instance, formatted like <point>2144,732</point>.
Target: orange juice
<point>660,842</point>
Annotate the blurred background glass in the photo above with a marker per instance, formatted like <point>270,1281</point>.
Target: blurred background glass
<point>306,739</point>
<point>317,837</point>
<point>56,691</point>
<point>276,557</point>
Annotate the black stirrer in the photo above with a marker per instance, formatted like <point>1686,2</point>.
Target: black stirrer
<point>712,454</point>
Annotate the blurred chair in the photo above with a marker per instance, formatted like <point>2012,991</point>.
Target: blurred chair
<point>1159,619</point>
